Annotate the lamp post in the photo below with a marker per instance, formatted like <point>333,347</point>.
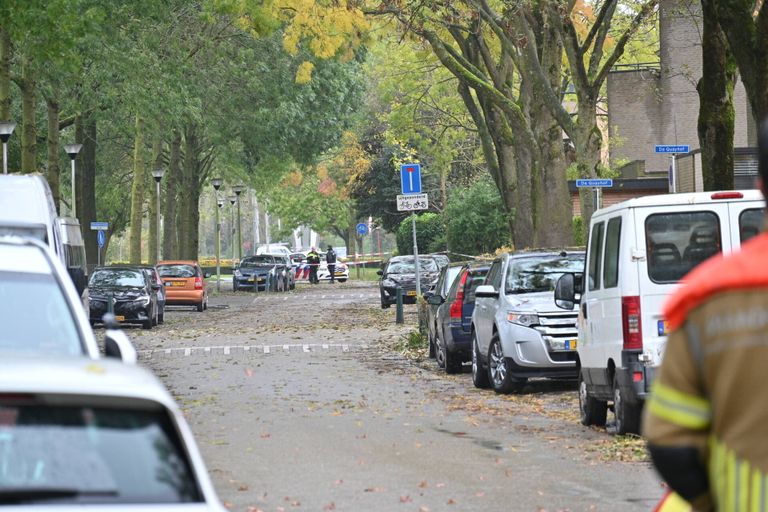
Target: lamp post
<point>232,201</point>
<point>239,190</point>
<point>6,129</point>
<point>158,175</point>
<point>72,150</point>
<point>216,182</point>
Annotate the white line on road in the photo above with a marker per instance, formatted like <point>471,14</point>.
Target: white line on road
<point>226,351</point>
<point>266,349</point>
<point>305,348</point>
<point>187,352</point>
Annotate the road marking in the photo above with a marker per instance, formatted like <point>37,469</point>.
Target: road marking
<point>266,349</point>
<point>286,348</point>
<point>187,351</point>
<point>226,351</point>
<point>207,350</point>
<point>345,348</point>
<point>325,346</point>
<point>305,348</point>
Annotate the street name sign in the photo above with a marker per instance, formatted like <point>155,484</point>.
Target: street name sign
<point>412,202</point>
<point>99,226</point>
<point>605,182</point>
<point>672,149</point>
<point>362,229</point>
<point>410,178</point>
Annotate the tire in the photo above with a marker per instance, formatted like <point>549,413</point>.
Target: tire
<point>342,280</point>
<point>385,305</point>
<point>147,324</point>
<point>591,410</point>
<point>479,374</point>
<point>432,351</point>
<point>156,317</point>
<point>201,306</point>
<point>499,375</point>
<point>446,360</point>
<point>627,414</point>
<point>161,316</point>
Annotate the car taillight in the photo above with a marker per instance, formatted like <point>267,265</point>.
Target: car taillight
<point>727,195</point>
<point>457,305</point>
<point>198,283</point>
<point>631,323</point>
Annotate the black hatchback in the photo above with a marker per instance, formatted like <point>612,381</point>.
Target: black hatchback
<point>131,291</point>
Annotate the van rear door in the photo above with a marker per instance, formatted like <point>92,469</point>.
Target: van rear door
<point>674,239</point>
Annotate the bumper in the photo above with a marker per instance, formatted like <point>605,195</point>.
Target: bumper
<point>634,377</point>
<point>531,354</point>
<point>388,295</point>
<point>183,297</point>
<point>458,340</point>
<point>124,311</point>
<point>248,283</point>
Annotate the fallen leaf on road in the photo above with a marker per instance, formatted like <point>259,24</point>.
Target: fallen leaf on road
<point>480,494</point>
<point>248,372</point>
<point>374,489</point>
<point>228,504</point>
<point>423,484</point>
<point>405,499</point>
<point>242,488</point>
<point>423,509</point>
<point>253,509</point>
<point>451,501</point>
<point>330,506</point>
<point>338,482</point>
<point>265,436</point>
<point>440,485</point>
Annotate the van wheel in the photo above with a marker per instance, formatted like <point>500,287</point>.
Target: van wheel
<point>591,410</point>
<point>501,378</point>
<point>627,414</point>
<point>479,374</point>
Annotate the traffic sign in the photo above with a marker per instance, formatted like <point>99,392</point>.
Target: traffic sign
<point>101,238</point>
<point>362,229</point>
<point>606,182</point>
<point>672,149</point>
<point>412,202</point>
<point>410,178</point>
<point>99,226</point>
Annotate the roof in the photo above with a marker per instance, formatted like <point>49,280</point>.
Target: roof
<point>178,262</point>
<point>25,198</point>
<point>680,199</point>
<point>81,376</point>
<point>22,255</point>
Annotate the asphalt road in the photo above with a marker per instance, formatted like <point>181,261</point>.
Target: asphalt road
<point>298,403</point>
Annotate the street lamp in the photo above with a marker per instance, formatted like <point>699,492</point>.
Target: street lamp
<point>158,175</point>
<point>232,201</point>
<point>72,150</point>
<point>239,190</point>
<point>216,182</point>
<point>6,129</point>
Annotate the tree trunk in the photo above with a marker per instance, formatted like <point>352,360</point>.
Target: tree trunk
<point>152,211</point>
<point>5,75</point>
<point>86,170</point>
<point>53,170</point>
<point>716,112</point>
<point>588,141</point>
<point>172,177</point>
<point>137,192</point>
<point>28,119</point>
<point>189,208</point>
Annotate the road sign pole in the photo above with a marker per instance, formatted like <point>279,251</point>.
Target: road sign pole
<point>416,257</point>
<point>673,184</point>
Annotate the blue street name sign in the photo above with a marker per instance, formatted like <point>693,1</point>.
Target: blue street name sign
<point>362,229</point>
<point>607,182</point>
<point>410,178</point>
<point>99,226</point>
<point>101,238</point>
<point>673,149</point>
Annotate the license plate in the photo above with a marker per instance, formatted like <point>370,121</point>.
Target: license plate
<point>570,344</point>
<point>412,293</point>
<point>177,284</point>
<point>663,327</point>
<point>120,318</point>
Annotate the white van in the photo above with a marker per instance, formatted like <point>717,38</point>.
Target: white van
<point>27,209</point>
<point>638,252</point>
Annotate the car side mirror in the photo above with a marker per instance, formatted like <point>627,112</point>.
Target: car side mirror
<point>157,287</point>
<point>116,342</point>
<point>435,300</point>
<point>566,290</point>
<point>486,291</point>
<point>380,272</point>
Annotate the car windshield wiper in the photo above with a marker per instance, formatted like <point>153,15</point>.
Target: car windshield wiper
<point>35,494</point>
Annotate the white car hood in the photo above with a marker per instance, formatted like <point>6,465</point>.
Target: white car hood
<point>540,302</point>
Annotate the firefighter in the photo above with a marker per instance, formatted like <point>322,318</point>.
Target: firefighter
<point>705,421</point>
<point>313,260</point>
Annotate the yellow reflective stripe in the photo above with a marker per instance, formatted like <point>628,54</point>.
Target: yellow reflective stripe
<point>716,472</point>
<point>730,482</point>
<point>755,491</point>
<point>742,478</point>
<point>679,408</point>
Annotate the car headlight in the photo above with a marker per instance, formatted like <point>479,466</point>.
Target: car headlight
<point>525,319</point>
<point>388,283</point>
<point>144,301</point>
<point>238,274</point>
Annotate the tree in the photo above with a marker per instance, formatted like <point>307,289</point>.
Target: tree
<point>430,234</point>
<point>475,220</point>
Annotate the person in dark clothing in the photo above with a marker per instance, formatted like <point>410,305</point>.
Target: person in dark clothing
<point>330,259</point>
<point>313,260</point>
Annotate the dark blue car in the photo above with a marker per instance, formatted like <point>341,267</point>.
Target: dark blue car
<point>450,317</point>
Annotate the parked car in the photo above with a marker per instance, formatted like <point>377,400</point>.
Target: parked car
<point>27,209</point>
<point>638,252</point>
<point>281,249</point>
<point>518,331</point>
<point>441,259</point>
<point>263,272</point>
<point>450,314</point>
<point>95,435</point>
<point>439,291</point>
<point>288,273</point>
<point>297,258</point>
<point>401,271</point>
<point>184,284</point>
<point>340,272</point>
<point>161,293</point>
<point>41,311</point>
<point>131,291</point>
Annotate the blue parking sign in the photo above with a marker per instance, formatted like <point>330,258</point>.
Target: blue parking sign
<point>100,238</point>
<point>410,178</point>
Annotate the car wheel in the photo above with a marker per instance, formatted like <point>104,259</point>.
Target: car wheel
<point>156,316</point>
<point>501,378</point>
<point>432,351</point>
<point>479,375</point>
<point>591,410</point>
<point>234,286</point>
<point>201,306</point>
<point>342,280</point>
<point>205,306</point>
<point>161,316</point>
<point>627,414</point>
<point>147,324</point>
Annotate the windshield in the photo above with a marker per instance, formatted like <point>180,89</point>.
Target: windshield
<point>117,277</point>
<point>91,454</point>
<point>36,316</point>
<point>409,266</point>
<point>255,261</point>
<point>176,270</point>
<point>540,273</point>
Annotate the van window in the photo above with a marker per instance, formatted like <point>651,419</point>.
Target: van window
<point>677,242</point>
<point>595,252</point>
<point>750,223</point>
<point>611,263</point>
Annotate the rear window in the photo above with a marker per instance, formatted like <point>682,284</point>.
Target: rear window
<point>750,223</point>
<point>177,271</point>
<point>474,279</point>
<point>81,454</point>
<point>678,241</point>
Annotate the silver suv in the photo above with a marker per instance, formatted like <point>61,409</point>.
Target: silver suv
<point>517,330</point>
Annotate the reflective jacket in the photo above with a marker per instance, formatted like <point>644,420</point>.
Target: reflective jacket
<point>313,258</point>
<point>708,393</point>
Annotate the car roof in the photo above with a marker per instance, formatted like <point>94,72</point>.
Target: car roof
<point>19,198</point>
<point>544,252</point>
<point>681,199</point>
<point>23,255</point>
<point>177,262</point>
